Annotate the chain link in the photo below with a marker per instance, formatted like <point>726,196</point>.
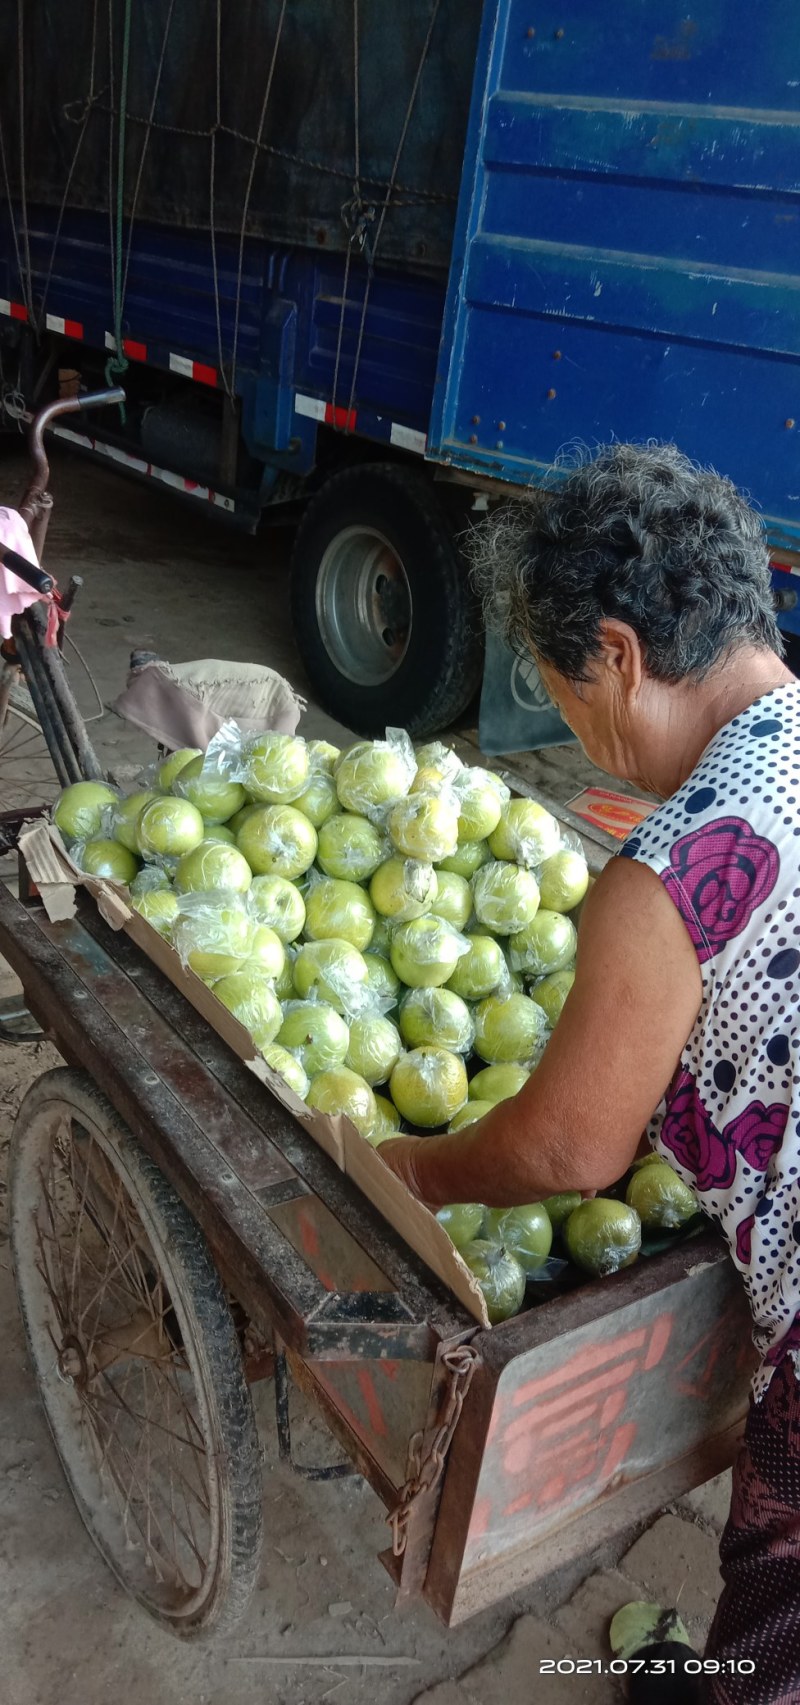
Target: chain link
<point>426,1473</point>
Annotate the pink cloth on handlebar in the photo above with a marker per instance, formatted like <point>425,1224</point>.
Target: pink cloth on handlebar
<point>15,596</point>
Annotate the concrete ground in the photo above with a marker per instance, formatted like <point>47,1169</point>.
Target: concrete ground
<point>322,1625</point>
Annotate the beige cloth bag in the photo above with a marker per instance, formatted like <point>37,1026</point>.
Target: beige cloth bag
<point>185,704</point>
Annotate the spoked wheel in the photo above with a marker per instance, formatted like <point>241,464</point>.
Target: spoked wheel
<point>27,773</point>
<point>137,1359</point>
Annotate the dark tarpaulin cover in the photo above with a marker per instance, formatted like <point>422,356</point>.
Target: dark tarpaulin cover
<point>304,173</point>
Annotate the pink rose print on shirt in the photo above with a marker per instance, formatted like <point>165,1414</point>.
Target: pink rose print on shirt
<point>720,873</point>
<point>693,1138</point>
<point>710,1155</point>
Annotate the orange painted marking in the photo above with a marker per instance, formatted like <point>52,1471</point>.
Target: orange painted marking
<point>370,1396</point>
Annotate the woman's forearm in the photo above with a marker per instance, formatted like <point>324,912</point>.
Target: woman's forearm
<point>499,1161</point>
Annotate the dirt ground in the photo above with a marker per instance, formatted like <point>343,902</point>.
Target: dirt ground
<point>322,1625</point>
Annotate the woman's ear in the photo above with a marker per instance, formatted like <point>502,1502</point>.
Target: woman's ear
<point>620,656</point>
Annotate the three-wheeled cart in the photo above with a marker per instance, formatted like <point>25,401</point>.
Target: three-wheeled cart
<point>177,1234</point>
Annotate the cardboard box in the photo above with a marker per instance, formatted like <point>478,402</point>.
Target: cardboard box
<point>56,878</point>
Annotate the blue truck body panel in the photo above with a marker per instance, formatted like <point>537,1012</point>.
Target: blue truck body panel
<point>626,259</point>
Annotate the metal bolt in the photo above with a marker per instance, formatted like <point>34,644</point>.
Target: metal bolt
<point>473,438</point>
<point>499,444</point>
<point>501,426</point>
<point>788,424</point>
<point>556,354</point>
<point>559,35</point>
<point>531,33</point>
<point>476,420</point>
<point>550,395</point>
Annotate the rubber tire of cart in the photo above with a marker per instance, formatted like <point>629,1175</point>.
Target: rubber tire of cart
<point>442,667</point>
<point>182,1260</point>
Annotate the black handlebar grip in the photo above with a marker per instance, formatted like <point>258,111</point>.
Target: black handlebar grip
<point>24,570</point>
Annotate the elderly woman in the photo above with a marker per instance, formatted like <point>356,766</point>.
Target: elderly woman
<point>641,587</point>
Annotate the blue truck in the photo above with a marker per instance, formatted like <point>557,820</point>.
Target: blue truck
<point>379,263</point>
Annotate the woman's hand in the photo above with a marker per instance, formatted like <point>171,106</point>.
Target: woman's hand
<point>398,1154</point>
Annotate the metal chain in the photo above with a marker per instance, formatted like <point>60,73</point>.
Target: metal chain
<point>461,1363</point>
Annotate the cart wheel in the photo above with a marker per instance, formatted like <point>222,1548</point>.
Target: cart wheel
<point>137,1359</point>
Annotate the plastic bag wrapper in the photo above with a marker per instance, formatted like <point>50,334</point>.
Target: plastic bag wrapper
<point>254,1003</point>
<point>510,1030</point>
<point>505,896</point>
<point>471,787</point>
<point>436,758</point>
<point>375,1047</point>
<point>419,885</point>
<point>151,879</point>
<point>429,1085</point>
<point>77,853</point>
<point>425,825</point>
<point>551,1271</point>
<point>322,757</point>
<point>549,943</point>
<point>281,836</point>
<point>375,774</point>
<point>213,932</point>
<point>225,754</point>
<point>272,767</point>
<point>86,817</point>
<point>338,979</point>
<point>527,833</point>
<point>446,1019</point>
<point>429,935</point>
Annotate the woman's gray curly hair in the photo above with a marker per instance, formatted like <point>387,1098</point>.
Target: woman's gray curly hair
<point>639,533</point>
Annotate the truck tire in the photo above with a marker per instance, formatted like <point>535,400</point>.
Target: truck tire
<point>384,617</point>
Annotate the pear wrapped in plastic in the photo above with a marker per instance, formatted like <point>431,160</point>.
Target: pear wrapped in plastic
<point>213,933</point>
<point>403,888</point>
<point>527,833</point>
<point>424,953</point>
<point>374,774</point>
<point>431,1016</point>
<point>505,896</point>
<point>428,1086</point>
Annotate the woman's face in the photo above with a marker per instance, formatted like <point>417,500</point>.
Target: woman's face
<point>617,714</point>
<point>591,712</point>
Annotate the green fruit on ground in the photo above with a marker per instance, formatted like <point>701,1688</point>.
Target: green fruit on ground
<point>548,943</point>
<point>551,994</point>
<point>125,815</point>
<point>462,1221</point>
<point>78,811</point>
<point>435,1016</point>
<point>277,903</point>
<point>640,1624</point>
<point>481,797</point>
<point>334,972</point>
<point>108,859</point>
<point>383,981</point>
<point>318,800</point>
<point>219,832</point>
<point>499,1275</point>
<point>372,774</point>
<point>563,880</point>
<point>276,768</point>
<point>468,857</point>
<point>508,1029</point>
<point>375,1048</point>
<point>322,756</point>
<point>315,1035</point>
<point>350,848</point>
<point>403,889</point>
<point>170,769</point>
<point>251,998</point>
<point>498,1083</point>
<point>169,827</point>
<point>506,897</point>
<point>387,1123</point>
<point>660,1198</point>
<point>424,826</point>
<point>425,952</point>
<point>469,1114</point>
<point>213,865</point>
<point>560,1206</point>
<point>278,841</point>
<point>339,910</point>
<point>480,970</point>
<point>428,1086</point>
<point>215,796</point>
<point>267,954</point>
<point>213,939</point>
<point>602,1235</point>
<point>453,899</point>
<point>526,833</point>
<point>159,908</point>
<point>341,1091</point>
<point>281,1061</point>
<point>525,1231</point>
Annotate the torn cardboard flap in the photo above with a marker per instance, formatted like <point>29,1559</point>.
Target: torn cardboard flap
<point>56,878</point>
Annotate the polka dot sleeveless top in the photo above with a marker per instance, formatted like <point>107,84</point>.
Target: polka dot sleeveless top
<point>727,848</point>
